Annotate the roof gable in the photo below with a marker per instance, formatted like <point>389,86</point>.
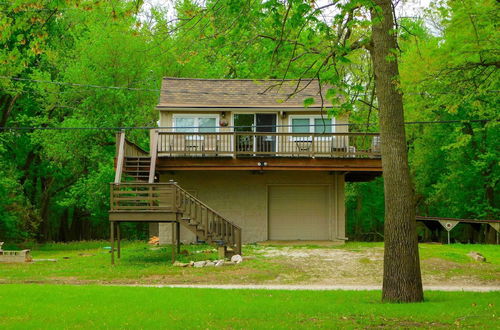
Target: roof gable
<point>239,93</point>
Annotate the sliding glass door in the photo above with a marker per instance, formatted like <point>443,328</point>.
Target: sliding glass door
<point>260,123</point>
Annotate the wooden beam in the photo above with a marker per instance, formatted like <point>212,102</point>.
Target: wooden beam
<point>118,239</point>
<point>120,137</point>
<point>173,242</point>
<point>178,236</point>
<point>144,216</point>
<point>154,155</point>
<point>473,221</point>
<point>112,238</point>
<point>272,163</point>
<point>238,242</point>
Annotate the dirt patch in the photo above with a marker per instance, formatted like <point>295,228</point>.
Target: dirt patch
<point>331,266</point>
<point>325,266</point>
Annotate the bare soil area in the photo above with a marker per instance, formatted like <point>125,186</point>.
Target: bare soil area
<point>365,267</point>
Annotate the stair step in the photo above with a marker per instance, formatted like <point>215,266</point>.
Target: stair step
<point>202,233</point>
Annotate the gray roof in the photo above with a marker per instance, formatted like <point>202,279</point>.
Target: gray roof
<point>239,93</point>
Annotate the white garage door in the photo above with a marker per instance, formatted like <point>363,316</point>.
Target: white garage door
<point>299,212</point>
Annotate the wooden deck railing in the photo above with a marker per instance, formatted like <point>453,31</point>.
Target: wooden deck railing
<point>136,196</point>
<point>236,144</point>
<point>169,197</point>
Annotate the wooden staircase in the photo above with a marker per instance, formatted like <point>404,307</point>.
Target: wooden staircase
<point>207,224</point>
<point>135,196</point>
<point>137,168</point>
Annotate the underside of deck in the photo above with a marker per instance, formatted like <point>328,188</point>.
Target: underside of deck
<point>355,169</point>
<point>268,163</point>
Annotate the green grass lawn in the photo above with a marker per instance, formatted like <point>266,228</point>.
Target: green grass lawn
<point>89,263</point>
<point>52,306</point>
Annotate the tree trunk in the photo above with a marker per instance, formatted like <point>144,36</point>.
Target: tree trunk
<point>402,279</point>
<point>46,232</point>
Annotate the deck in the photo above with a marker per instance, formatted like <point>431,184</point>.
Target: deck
<point>167,202</point>
<point>357,153</point>
<point>267,144</point>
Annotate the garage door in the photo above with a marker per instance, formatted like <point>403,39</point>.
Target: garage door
<point>298,212</point>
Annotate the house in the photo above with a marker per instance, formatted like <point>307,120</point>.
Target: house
<point>248,152</point>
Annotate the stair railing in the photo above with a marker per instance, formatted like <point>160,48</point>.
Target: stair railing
<point>120,155</point>
<point>154,156</point>
<point>213,223</point>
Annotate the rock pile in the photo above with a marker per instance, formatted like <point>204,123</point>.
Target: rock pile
<point>236,259</point>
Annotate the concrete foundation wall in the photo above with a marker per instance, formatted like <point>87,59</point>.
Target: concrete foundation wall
<point>242,197</point>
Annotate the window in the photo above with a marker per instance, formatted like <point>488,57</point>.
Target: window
<point>323,125</point>
<point>300,125</point>
<point>195,123</point>
<point>311,124</point>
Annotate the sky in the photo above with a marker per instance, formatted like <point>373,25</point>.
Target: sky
<point>404,7</point>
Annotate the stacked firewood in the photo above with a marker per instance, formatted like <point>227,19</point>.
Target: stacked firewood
<point>154,240</point>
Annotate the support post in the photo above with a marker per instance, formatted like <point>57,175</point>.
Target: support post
<point>221,250</point>
<point>178,236</point>
<point>238,241</point>
<point>112,229</point>
<point>173,242</point>
<point>153,154</point>
<point>120,155</point>
<point>235,147</point>
<point>118,239</point>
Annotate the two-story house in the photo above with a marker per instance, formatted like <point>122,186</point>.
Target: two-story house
<point>251,153</point>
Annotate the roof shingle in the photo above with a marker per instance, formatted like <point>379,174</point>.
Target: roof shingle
<point>239,93</point>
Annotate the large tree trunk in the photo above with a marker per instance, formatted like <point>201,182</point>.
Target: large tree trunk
<point>402,279</point>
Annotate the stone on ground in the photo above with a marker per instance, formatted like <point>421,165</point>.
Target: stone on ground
<point>477,256</point>
<point>199,264</point>
<point>236,259</point>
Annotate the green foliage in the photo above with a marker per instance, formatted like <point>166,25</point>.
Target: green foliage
<point>365,210</point>
<point>455,166</point>
<point>54,184</point>
<point>58,180</point>
<point>450,74</point>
